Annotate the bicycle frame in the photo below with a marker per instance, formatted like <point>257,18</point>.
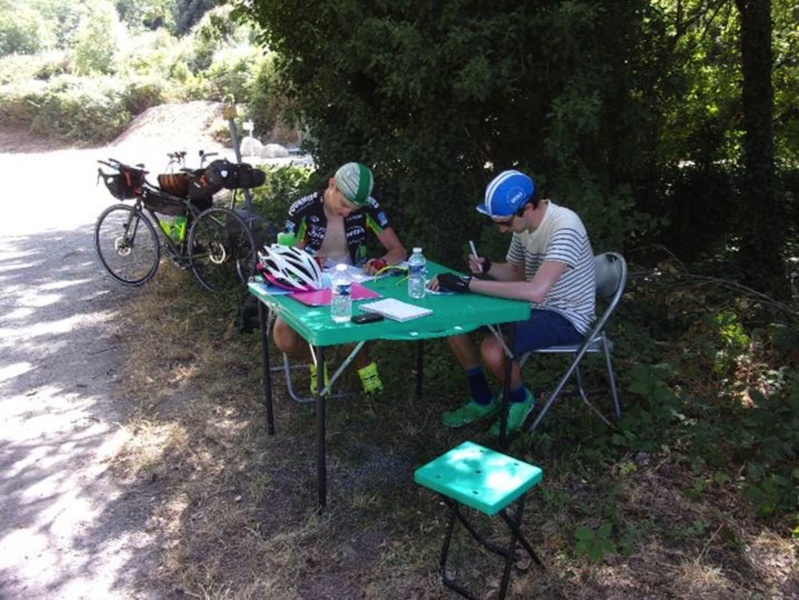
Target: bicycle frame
<point>216,237</point>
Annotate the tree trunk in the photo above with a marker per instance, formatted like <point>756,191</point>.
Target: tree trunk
<point>762,215</point>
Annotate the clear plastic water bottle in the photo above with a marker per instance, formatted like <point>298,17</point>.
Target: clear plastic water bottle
<point>417,274</point>
<point>341,306</point>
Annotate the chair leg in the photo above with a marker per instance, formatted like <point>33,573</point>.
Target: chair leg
<point>611,377</point>
<point>580,387</point>
<point>587,402</point>
<point>575,369</point>
<point>287,367</point>
<point>289,383</point>
<point>552,397</point>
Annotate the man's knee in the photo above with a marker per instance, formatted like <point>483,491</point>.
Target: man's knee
<point>464,342</point>
<point>492,351</point>
<point>285,337</point>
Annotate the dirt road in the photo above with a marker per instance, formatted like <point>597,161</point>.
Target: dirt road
<point>64,529</point>
<point>67,530</point>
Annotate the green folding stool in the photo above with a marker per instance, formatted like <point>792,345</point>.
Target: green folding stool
<point>487,481</point>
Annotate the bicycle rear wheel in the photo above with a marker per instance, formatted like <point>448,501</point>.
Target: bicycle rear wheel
<point>222,249</point>
<point>127,244</point>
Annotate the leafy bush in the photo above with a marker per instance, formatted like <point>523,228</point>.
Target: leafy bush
<point>95,41</point>
<point>150,53</point>
<point>23,31</point>
<point>283,186</point>
<point>267,103</point>
<point>19,102</point>
<point>80,109</point>
<point>232,72</point>
<point>20,68</point>
<point>144,92</point>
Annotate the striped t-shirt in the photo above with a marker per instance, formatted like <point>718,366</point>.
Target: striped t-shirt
<point>561,237</point>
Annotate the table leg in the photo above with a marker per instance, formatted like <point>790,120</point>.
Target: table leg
<point>321,451</point>
<point>419,368</point>
<point>266,377</point>
<point>503,418</point>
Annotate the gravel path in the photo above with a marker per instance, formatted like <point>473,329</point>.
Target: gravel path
<point>67,529</point>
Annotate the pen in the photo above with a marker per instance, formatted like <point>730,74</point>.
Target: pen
<point>494,329</point>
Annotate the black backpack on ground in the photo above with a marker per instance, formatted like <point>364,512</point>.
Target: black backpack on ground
<point>247,316</point>
<point>263,233</point>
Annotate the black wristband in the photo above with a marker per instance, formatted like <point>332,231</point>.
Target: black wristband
<point>450,282</point>
<point>485,266</point>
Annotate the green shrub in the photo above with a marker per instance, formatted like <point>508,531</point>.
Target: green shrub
<point>144,92</point>
<point>232,72</point>
<point>150,53</point>
<point>81,110</point>
<point>283,186</point>
<point>267,104</point>
<point>20,68</point>
<point>95,41</point>
<point>19,102</point>
<point>24,31</point>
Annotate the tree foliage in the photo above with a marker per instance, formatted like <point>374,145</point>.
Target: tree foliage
<point>187,13</point>
<point>611,106</point>
<point>440,96</point>
<point>22,30</point>
<point>96,39</point>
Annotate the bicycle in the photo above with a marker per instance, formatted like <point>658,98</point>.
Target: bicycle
<point>219,247</point>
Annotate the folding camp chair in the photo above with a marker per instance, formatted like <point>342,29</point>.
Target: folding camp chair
<point>288,366</point>
<point>611,279</point>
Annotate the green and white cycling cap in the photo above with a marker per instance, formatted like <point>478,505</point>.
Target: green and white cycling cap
<point>355,181</point>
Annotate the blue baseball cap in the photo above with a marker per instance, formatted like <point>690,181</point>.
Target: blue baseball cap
<point>506,194</point>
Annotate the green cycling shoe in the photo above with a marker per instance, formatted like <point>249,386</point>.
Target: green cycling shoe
<point>517,413</point>
<point>470,412</point>
<point>314,386</point>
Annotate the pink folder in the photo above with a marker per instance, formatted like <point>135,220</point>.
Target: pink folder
<point>324,297</point>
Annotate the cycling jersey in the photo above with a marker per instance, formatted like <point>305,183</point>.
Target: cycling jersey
<point>308,222</point>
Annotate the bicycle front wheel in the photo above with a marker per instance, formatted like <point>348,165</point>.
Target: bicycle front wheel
<point>127,245</point>
<point>222,250</point>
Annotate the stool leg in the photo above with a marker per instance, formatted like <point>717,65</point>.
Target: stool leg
<point>508,552</point>
<point>442,565</point>
<point>515,526</point>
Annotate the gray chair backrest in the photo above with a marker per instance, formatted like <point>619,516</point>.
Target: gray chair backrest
<point>611,279</point>
<point>611,273</point>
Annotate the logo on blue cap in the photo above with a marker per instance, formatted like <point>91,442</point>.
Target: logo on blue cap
<point>506,194</point>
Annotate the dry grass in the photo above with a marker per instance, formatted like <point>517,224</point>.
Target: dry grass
<point>235,508</point>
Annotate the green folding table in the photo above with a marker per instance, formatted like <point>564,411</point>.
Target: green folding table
<point>451,315</point>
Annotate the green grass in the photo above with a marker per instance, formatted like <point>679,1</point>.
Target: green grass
<point>627,513</point>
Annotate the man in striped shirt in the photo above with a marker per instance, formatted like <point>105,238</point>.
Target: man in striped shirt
<point>550,264</point>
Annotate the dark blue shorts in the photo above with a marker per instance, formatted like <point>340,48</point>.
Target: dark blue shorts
<point>543,329</point>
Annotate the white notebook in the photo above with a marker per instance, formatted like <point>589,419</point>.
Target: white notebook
<point>391,308</point>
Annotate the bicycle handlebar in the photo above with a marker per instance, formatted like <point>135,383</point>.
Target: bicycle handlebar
<point>178,156</point>
<point>206,155</point>
<point>118,165</point>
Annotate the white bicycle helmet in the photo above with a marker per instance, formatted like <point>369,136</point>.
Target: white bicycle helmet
<point>289,268</point>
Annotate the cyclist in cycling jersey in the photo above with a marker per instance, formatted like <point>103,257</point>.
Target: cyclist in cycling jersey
<point>332,223</point>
